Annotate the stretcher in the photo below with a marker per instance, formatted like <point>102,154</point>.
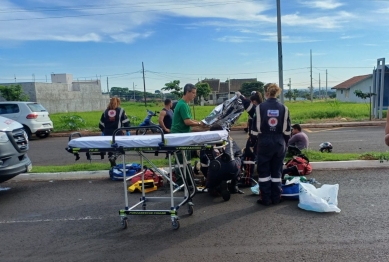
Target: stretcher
<point>172,144</point>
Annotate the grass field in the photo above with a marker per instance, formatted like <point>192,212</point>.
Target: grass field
<point>300,111</point>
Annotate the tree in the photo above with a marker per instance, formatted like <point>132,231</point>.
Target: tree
<point>202,90</point>
<point>364,96</point>
<point>121,92</point>
<point>174,88</point>
<point>13,93</point>
<point>289,95</point>
<point>295,94</point>
<point>247,88</point>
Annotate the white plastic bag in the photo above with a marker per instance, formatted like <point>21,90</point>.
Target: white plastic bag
<point>324,199</point>
<point>255,189</point>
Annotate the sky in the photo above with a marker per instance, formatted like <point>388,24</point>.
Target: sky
<point>190,40</point>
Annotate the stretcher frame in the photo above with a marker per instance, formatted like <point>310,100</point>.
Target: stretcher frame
<point>186,173</point>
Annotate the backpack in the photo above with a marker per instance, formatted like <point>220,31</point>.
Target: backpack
<point>149,175</point>
<point>302,163</point>
<point>116,172</point>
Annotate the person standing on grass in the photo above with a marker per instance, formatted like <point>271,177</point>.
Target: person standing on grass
<point>166,116</point>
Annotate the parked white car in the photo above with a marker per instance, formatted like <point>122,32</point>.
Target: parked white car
<point>33,116</point>
<point>13,149</point>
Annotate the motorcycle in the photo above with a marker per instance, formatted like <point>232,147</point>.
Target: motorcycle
<point>148,124</point>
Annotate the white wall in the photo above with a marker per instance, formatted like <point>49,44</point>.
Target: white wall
<point>347,95</point>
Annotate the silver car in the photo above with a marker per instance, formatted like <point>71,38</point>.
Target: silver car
<point>33,116</point>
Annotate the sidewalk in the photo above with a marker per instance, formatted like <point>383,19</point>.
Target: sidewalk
<point>103,174</point>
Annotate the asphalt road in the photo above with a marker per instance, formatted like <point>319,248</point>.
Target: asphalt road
<point>79,221</point>
<point>51,151</point>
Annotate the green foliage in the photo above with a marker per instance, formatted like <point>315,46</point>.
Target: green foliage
<point>13,93</point>
<point>202,90</point>
<point>289,95</point>
<point>247,88</point>
<point>362,95</point>
<point>174,88</point>
<point>71,122</point>
<point>300,112</point>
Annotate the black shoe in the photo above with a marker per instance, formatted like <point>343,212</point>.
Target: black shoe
<point>265,203</point>
<point>246,129</point>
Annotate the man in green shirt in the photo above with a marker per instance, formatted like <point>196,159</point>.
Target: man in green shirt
<point>182,117</point>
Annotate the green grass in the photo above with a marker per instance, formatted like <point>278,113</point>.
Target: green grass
<point>300,112</point>
<point>314,156</point>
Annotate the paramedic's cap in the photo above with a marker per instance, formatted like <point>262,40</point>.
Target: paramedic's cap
<point>297,126</point>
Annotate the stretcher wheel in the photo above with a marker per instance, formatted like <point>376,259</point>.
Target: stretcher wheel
<point>190,210</point>
<point>176,224</point>
<point>124,223</point>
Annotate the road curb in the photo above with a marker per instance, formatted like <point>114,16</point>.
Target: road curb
<point>104,174</point>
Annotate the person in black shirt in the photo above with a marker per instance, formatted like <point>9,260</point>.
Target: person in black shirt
<point>271,124</point>
<point>166,116</point>
<point>113,117</point>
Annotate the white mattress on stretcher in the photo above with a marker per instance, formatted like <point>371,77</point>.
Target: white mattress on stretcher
<point>179,139</point>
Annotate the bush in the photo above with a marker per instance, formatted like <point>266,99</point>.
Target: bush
<point>71,122</point>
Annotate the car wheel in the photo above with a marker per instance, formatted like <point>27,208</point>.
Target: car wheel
<point>43,135</point>
<point>28,131</point>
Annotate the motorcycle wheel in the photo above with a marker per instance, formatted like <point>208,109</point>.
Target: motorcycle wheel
<point>141,131</point>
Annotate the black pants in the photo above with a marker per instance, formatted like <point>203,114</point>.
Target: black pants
<point>271,154</point>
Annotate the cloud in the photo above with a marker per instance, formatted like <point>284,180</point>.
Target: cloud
<point>322,4</point>
<point>349,36</point>
<point>130,37</point>
<point>235,39</point>
<point>325,21</point>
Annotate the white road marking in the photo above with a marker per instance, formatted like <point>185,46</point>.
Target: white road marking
<point>50,220</point>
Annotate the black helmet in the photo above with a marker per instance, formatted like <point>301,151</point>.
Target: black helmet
<point>325,147</point>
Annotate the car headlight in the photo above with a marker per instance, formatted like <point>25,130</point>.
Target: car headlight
<point>3,137</point>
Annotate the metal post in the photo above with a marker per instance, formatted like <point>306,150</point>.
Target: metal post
<point>311,77</point>
<point>144,83</point>
<point>280,70</point>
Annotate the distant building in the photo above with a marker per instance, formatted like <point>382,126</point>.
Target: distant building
<point>345,90</point>
<point>64,94</point>
<point>220,90</point>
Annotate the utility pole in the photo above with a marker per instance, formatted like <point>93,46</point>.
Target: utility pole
<point>229,88</point>
<point>319,87</point>
<point>144,83</point>
<point>133,88</point>
<point>326,84</point>
<point>107,86</point>
<point>311,78</point>
<point>290,89</point>
<point>280,69</point>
